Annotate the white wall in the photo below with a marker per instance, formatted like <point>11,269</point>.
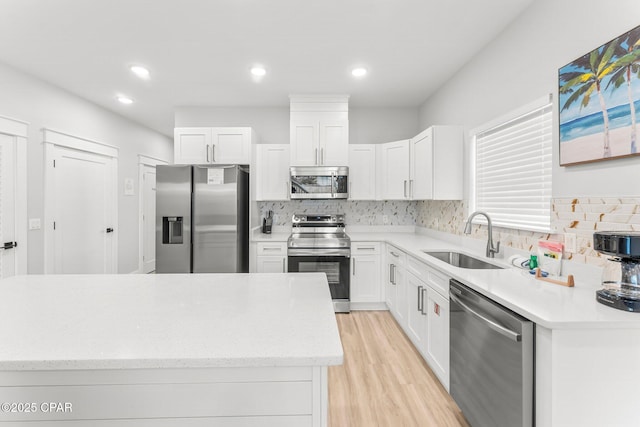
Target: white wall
<point>522,64</point>
<point>45,106</point>
<point>366,125</point>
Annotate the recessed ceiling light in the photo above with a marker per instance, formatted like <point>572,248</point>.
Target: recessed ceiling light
<point>258,71</point>
<point>359,72</point>
<point>124,99</point>
<point>140,71</point>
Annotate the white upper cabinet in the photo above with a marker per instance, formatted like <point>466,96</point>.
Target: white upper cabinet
<point>191,145</point>
<point>362,172</point>
<point>437,164</point>
<point>231,145</point>
<point>219,145</point>
<point>426,167</point>
<point>394,161</point>
<point>319,131</point>
<point>272,171</point>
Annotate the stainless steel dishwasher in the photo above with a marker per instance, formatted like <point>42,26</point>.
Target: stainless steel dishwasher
<point>492,360</point>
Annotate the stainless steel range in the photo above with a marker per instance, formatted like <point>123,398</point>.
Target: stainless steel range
<point>318,243</point>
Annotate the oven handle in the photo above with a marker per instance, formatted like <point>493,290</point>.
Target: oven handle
<point>345,253</point>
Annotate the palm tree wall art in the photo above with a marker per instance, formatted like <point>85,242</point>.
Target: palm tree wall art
<point>599,100</point>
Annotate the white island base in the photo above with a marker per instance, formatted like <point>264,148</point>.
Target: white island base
<point>229,397</point>
<point>167,350</point>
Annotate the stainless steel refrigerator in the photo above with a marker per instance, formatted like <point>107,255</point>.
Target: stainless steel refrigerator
<point>202,219</point>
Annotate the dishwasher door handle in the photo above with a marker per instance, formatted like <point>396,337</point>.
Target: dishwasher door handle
<point>514,336</point>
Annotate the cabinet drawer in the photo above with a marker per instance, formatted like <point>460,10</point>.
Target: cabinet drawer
<point>396,256</point>
<point>365,248</point>
<point>438,281</point>
<point>271,248</point>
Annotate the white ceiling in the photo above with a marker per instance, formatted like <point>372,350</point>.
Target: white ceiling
<point>199,51</point>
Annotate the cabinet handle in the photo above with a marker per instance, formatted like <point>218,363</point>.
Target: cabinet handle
<point>365,248</point>
<point>422,308</point>
<point>405,188</point>
<point>394,254</point>
<point>393,269</point>
<point>213,152</point>
<point>287,190</point>
<point>284,266</point>
<point>322,156</point>
<point>207,153</point>
<point>273,248</point>
<point>411,188</point>
<point>353,262</point>
<point>317,156</point>
<point>419,298</point>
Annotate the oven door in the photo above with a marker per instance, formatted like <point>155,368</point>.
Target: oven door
<point>336,267</point>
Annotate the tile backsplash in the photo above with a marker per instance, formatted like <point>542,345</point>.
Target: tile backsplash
<point>356,212</point>
<point>582,216</point>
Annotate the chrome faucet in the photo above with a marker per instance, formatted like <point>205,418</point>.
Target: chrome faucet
<point>491,251</point>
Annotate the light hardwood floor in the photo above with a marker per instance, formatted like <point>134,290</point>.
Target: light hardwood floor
<point>384,381</point>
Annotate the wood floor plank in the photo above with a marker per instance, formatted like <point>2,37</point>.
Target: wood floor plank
<point>384,381</point>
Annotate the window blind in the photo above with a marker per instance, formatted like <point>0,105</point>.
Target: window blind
<point>513,170</point>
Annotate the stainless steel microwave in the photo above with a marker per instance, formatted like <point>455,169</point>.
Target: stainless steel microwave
<point>319,182</point>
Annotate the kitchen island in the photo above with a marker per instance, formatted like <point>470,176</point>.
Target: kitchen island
<point>160,350</point>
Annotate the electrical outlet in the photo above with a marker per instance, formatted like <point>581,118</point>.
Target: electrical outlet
<point>570,242</point>
<point>34,224</point>
<point>385,219</point>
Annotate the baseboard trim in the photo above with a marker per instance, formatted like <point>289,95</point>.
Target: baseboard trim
<point>378,306</point>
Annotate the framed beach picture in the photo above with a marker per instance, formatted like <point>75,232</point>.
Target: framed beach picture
<point>599,102</point>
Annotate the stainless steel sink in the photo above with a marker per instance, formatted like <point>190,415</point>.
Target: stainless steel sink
<point>458,259</point>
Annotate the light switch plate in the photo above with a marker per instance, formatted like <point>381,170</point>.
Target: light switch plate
<point>35,224</point>
<point>570,242</point>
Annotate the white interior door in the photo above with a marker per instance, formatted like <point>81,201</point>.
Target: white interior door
<point>7,205</point>
<point>84,215</point>
<point>148,218</point>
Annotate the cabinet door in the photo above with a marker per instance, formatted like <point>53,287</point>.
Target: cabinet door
<point>401,296</point>
<point>395,161</point>
<point>304,142</point>
<point>390,292</point>
<point>271,264</point>
<point>334,143</point>
<point>365,280</point>
<point>272,171</point>
<point>231,145</point>
<point>362,172</point>
<point>448,162</point>
<point>192,145</point>
<point>416,319</point>
<point>437,308</point>
<point>421,167</point>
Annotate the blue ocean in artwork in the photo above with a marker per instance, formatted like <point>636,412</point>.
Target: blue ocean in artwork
<point>619,117</point>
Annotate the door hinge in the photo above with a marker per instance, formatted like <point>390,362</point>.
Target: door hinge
<point>9,245</point>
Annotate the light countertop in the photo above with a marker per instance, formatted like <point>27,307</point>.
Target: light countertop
<point>549,305</point>
<point>167,321</point>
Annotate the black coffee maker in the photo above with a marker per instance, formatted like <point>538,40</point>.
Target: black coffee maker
<point>623,290</point>
<point>267,223</point>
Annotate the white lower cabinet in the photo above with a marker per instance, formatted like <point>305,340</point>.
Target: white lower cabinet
<point>397,284</point>
<point>437,335</point>
<point>271,257</point>
<point>418,298</point>
<point>416,317</point>
<point>366,286</point>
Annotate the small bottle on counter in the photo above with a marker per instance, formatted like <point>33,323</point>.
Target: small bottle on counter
<point>533,262</point>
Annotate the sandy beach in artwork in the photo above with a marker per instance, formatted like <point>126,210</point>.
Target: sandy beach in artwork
<point>591,147</point>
